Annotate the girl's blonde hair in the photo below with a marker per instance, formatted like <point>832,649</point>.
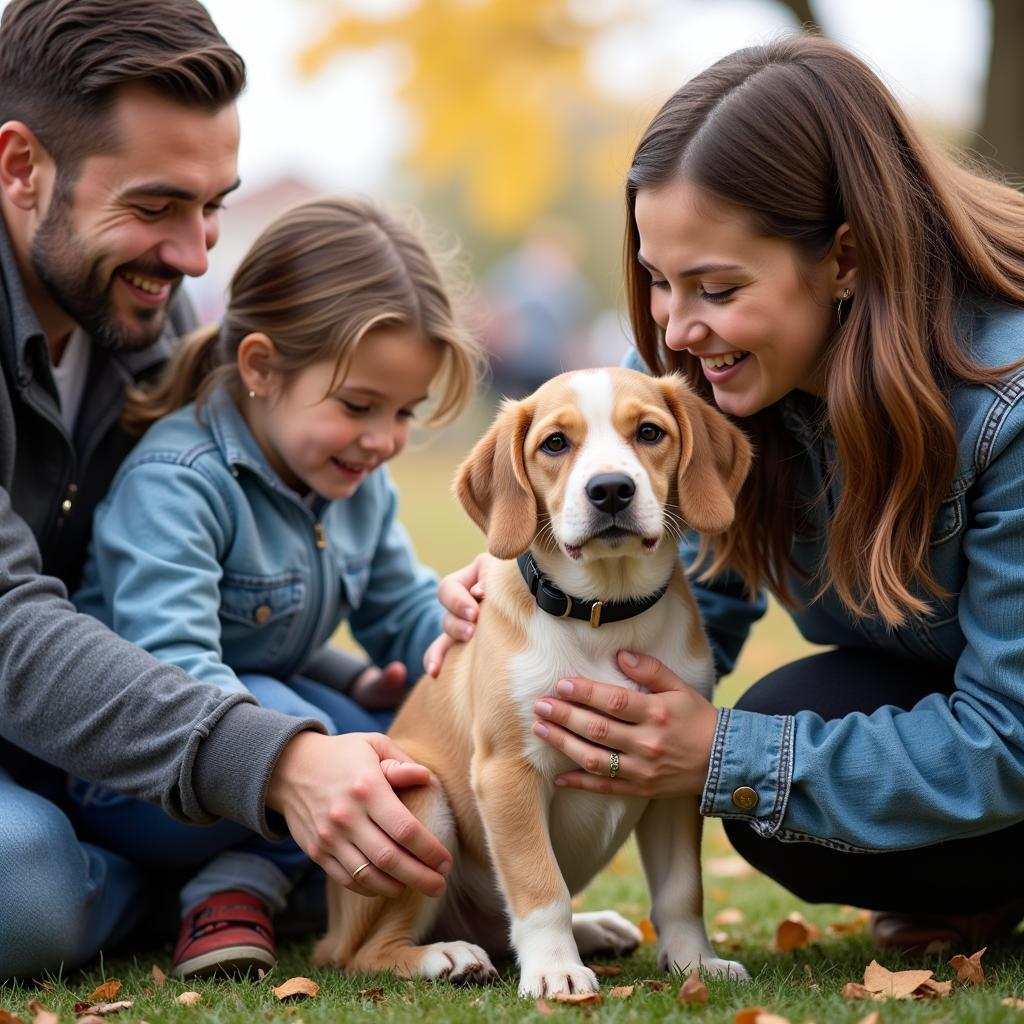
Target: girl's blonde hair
<point>316,281</point>
<point>802,137</point>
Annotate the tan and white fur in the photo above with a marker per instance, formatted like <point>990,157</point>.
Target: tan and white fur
<point>522,846</point>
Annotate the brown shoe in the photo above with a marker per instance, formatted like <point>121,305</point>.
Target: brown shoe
<point>933,933</point>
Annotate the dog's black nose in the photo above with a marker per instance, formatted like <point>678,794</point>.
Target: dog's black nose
<point>610,492</point>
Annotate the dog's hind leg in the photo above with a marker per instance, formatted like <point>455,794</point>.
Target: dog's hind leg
<point>369,935</point>
<point>668,835</point>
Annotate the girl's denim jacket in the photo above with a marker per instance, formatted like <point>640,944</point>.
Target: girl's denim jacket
<point>953,766</point>
<point>204,557</point>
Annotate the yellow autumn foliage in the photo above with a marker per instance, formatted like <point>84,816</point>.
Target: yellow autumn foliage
<point>500,92</point>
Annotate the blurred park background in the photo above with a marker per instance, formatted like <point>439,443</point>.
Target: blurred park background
<point>508,125</point>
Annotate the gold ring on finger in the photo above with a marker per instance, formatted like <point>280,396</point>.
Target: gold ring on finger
<point>613,764</point>
<point>362,867</point>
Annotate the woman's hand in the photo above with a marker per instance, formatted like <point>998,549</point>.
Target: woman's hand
<point>461,593</point>
<point>337,794</point>
<point>663,738</point>
<point>378,689</point>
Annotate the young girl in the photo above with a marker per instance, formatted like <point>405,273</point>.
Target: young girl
<point>854,300</point>
<point>255,516</point>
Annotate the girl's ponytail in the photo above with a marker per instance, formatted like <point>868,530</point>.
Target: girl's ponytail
<point>191,373</point>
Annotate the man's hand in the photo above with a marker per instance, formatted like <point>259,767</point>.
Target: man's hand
<point>337,795</point>
<point>663,737</point>
<point>461,593</point>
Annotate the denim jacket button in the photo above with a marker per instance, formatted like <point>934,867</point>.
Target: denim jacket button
<point>744,798</point>
<point>262,614</point>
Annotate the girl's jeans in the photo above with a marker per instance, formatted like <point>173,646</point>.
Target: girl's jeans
<point>65,899</point>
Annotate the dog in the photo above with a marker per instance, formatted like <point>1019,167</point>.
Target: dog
<point>582,489</point>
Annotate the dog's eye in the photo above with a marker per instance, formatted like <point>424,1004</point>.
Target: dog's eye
<point>649,433</point>
<point>555,444</point>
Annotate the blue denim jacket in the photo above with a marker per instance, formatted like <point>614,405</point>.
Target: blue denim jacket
<point>204,557</point>
<point>953,766</point>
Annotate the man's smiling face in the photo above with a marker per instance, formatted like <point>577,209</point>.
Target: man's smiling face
<point>114,246</point>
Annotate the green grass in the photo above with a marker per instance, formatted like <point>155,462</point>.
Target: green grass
<point>801,986</point>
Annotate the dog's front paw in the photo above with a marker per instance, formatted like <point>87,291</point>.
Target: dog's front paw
<point>459,962</point>
<point>555,979</point>
<point>606,933</point>
<point>725,968</point>
<point>704,961</point>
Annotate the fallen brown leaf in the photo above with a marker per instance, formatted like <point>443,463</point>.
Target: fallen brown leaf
<point>693,990</point>
<point>6,1017</point>
<point>297,988</point>
<point>880,981</point>
<point>579,998</point>
<point>376,994</point>
<point>933,989</point>
<point>605,970</point>
<point>968,968</point>
<point>854,927</point>
<point>106,992</point>
<point>189,998</point>
<point>158,976</point>
<point>105,1009</point>
<point>647,930</point>
<point>40,1014</point>
<point>748,1016</point>
<point>855,990</point>
<point>544,1008</point>
<point>730,915</point>
<point>654,984</point>
<point>794,933</point>
<point>622,991</point>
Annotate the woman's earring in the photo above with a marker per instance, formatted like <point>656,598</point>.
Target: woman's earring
<point>839,305</point>
<point>252,394</point>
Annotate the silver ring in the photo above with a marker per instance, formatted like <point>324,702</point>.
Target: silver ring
<point>613,764</point>
<point>362,867</point>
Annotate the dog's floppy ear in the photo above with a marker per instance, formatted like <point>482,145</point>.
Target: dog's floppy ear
<point>493,487</point>
<point>714,460</point>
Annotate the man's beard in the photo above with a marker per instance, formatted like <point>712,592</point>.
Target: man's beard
<point>75,280</point>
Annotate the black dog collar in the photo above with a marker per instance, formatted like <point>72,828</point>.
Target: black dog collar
<point>558,603</point>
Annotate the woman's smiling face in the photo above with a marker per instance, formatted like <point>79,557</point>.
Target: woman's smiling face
<point>753,309</point>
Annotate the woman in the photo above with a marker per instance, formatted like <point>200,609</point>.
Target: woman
<point>852,298</point>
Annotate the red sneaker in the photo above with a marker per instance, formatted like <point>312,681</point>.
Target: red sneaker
<point>228,932</point>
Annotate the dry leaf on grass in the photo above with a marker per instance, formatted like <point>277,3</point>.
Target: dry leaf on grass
<point>647,930</point>
<point>189,998</point>
<point>968,968</point>
<point>622,991</point>
<point>749,1016</point>
<point>158,976</point>
<point>297,988</point>
<point>106,992</point>
<point>730,915</point>
<point>654,984</point>
<point>794,933</point>
<point>40,1014</point>
<point>855,990</point>
<point>579,998</point>
<point>880,981</point>
<point>376,994</point>
<point>933,989</point>
<point>693,990</point>
<point>103,1009</point>
<point>605,970</point>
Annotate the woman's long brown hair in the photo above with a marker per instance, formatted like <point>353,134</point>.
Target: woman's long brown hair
<point>316,281</point>
<point>802,137</point>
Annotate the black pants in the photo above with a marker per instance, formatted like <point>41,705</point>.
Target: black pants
<point>959,876</point>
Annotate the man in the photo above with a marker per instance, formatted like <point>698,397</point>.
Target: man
<point>118,143</point>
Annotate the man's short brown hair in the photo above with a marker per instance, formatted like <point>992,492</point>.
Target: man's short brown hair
<point>62,62</point>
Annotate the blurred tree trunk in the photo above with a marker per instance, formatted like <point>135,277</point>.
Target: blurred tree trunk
<point>1002,126</point>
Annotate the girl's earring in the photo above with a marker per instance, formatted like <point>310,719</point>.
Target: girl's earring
<point>252,394</point>
<point>839,306</point>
